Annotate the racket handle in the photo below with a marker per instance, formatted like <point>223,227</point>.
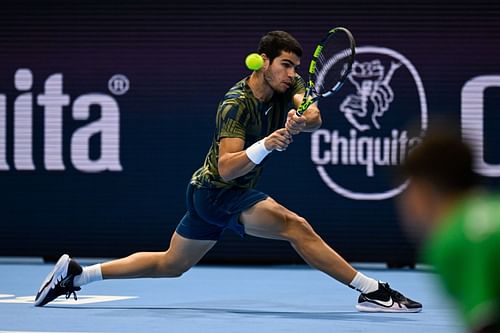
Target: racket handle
<point>303,106</point>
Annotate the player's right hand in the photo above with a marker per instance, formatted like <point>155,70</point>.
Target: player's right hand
<point>278,140</point>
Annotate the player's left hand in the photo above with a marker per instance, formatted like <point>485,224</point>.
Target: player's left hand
<point>295,124</point>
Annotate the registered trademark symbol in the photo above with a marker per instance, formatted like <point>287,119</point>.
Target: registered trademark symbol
<point>118,84</point>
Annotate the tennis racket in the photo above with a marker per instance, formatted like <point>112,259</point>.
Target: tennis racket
<point>331,64</point>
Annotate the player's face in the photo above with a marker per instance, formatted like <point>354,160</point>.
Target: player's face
<point>280,74</point>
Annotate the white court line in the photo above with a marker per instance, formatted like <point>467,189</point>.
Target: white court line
<point>42,332</point>
<point>83,299</point>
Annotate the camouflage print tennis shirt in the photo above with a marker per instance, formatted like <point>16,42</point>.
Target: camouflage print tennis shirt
<point>241,115</point>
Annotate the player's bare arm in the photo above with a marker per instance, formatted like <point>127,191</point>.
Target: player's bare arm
<point>233,159</point>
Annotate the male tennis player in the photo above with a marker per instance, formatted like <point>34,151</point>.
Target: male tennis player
<point>255,118</point>
<point>461,226</point>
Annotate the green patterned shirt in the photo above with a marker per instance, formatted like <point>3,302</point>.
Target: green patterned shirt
<point>241,115</point>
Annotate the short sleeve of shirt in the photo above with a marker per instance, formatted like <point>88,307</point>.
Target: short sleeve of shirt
<point>299,85</point>
<point>230,121</point>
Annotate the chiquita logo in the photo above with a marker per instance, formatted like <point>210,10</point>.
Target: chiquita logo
<point>365,136</point>
<point>18,130</point>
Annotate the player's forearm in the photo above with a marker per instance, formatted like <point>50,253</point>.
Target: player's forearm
<point>235,162</point>
<point>234,165</point>
<point>313,119</point>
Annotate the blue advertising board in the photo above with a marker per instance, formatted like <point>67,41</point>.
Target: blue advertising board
<point>106,109</point>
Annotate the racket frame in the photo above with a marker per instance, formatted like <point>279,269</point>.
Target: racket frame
<point>310,95</point>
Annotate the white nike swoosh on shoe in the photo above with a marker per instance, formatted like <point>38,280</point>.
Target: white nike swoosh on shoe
<point>388,303</point>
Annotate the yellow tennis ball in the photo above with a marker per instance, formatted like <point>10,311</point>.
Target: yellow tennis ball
<point>254,61</point>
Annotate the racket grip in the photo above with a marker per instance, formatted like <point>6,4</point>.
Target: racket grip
<point>303,107</point>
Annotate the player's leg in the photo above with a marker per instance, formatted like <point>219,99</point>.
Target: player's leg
<point>68,276</point>
<point>268,219</point>
<point>192,239</point>
<point>182,254</point>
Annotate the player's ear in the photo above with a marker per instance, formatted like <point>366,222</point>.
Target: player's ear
<point>266,61</point>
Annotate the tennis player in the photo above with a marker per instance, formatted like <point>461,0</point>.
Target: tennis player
<point>460,225</point>
<point>255,118</point>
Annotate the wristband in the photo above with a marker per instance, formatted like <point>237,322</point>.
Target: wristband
<point>257,152</point>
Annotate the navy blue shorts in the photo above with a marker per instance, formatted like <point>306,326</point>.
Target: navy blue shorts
<point>210,211</point>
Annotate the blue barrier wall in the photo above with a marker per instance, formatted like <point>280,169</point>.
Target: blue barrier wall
<point>106,109</point>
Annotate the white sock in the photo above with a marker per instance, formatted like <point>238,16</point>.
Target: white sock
<point>364,284</point>
<point>90,274</point>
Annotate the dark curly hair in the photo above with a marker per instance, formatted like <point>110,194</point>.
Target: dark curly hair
<point>275,42</point>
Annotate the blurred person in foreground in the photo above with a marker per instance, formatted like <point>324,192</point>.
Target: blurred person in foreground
<point>459,225</point>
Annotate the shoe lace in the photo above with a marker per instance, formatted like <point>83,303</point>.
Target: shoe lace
<point>72,291</point>
<point>397,296</point>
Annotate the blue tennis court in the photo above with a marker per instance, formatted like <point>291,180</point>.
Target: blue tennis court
<point>219,299</point>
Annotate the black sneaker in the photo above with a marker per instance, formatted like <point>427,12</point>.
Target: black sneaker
<point>59,281</point>
<point>386,300</point>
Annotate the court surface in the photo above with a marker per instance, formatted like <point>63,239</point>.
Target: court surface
<point>219,299</point>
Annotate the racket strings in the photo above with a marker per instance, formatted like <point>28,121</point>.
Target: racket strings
<point>322,60</point>
<point>333,64</point>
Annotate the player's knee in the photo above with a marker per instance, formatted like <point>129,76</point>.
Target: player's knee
<point>298,229</point>
<point>172,267</point>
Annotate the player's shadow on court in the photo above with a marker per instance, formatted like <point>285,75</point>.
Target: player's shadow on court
<point>333,315</point>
